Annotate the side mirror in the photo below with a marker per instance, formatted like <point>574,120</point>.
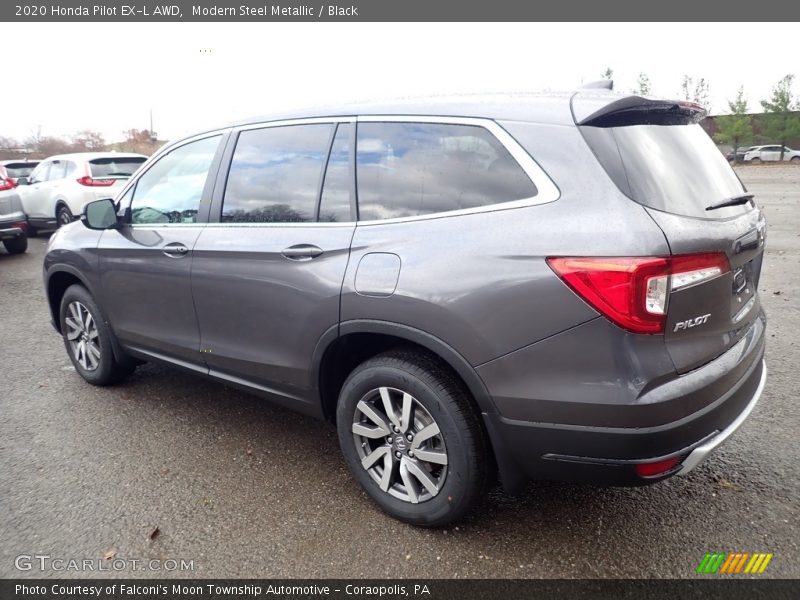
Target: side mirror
<point>100,214</point>
<point>22,181</point>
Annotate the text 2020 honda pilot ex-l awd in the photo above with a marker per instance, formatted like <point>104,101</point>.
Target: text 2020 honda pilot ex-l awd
<point>556,286</point>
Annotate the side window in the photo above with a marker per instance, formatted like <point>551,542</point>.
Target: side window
<point>170,191</point>
<point>71,169</point>
<point>275,174</point>
<point>410,169</point>
<point>58,170</point>
<point>41,172</point>
<point>335,203</point>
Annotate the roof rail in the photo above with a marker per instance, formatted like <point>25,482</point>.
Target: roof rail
<point>600,84</point>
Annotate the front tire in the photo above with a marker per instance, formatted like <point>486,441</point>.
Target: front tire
<point>412,438</point>
<point>17,245</point>
<point>795,159</point>
<point>87,339</point>
<point>755,161</point>
<point>64,215</point>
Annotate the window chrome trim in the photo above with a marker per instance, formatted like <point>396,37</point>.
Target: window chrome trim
<point>269,224</point>
<point>547,191</point>
<point>290,122</point>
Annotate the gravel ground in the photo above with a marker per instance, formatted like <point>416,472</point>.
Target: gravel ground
<point>245,489</point>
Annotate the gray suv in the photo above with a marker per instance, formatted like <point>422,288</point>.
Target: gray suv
<point>557,286</point>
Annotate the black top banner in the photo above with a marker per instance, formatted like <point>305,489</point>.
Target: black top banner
<point>399,10</point>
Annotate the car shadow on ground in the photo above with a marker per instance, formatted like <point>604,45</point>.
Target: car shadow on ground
<point>309,447</point>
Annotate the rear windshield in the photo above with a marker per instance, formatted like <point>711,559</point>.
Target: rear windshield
<point>673,168</point>
<point>115,166</point>
<point>20,169</point>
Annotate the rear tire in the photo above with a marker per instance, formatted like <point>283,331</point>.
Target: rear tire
<point>64,215</point>
<point>437,460</point>
<point>87,339</point>
<point>17,245</point>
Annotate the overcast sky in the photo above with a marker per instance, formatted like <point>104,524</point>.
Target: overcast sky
<point>66,77</point>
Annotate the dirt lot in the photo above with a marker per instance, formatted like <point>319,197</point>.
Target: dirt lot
<point>246,489</point>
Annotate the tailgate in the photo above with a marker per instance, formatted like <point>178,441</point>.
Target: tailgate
<point>660,157</point>
<point>707,318</point>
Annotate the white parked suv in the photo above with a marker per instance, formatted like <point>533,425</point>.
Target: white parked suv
<point>758,154</point>
<point>59,187</point>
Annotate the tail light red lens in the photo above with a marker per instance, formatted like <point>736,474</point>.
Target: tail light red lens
<point>654,469</point>
<point>633,291</point>
<point>7,184</point>
<point>88,181</point>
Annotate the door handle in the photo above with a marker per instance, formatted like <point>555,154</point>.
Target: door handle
<point>302,252</point>
<point>175,250</point>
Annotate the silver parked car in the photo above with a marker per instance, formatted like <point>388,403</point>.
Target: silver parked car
<point>13,223</point>
<point>464,286</point>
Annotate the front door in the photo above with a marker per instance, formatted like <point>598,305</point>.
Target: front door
<point>146,264</point>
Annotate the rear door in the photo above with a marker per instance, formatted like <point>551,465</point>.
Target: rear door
<point>771,153</point>
<point>267,276</point>
<point>669,164</point>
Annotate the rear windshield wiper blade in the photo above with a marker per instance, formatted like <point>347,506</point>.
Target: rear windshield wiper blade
<point>734,201</point>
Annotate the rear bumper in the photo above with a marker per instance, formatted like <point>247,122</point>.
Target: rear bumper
<point>700,453</point>
<point>9,233</point>
<point>723,392</point>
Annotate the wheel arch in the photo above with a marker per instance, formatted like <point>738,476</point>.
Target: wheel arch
<point>59,202</point>
<point>352,342</point>
<point>58,281</point>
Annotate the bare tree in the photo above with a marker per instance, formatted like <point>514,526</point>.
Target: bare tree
<point>141,141</point>
<point>9,147</point>
<point>88,141</point>
<point>643,87</point>
<point>46,145</point>
<point>696,90</point>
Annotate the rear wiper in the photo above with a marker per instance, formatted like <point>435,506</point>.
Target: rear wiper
<point>734,201</point>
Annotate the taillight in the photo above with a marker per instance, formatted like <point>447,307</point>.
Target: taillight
<point>7,184</point>
<point>87,180</point>
<point>632,291</point>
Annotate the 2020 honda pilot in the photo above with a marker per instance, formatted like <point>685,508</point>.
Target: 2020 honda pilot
<point>553,286</point>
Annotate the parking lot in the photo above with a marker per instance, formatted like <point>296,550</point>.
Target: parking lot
<point>171,466</point>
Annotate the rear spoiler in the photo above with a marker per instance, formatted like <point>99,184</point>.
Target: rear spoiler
<point>636,110</point>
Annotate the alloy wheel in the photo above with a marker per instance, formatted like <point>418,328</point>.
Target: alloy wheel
<point>82,335</point>
<point>400,445</point>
